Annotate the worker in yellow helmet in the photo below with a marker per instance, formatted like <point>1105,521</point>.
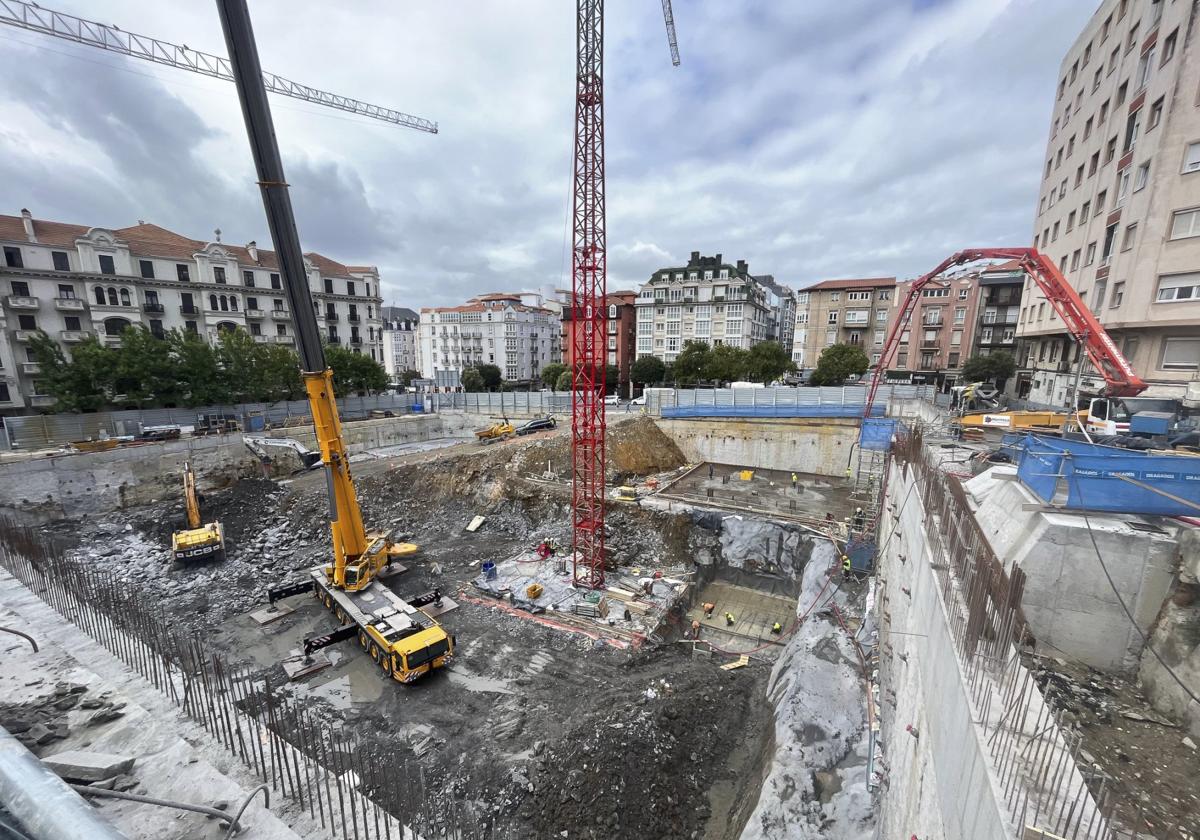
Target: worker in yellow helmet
<point>845,565</point>
<point>776,628</point>
<point>729,619</point>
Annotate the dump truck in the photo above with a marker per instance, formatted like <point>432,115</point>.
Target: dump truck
<point>495,432</point>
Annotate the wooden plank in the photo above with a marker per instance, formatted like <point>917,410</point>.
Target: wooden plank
<point>741,662</point>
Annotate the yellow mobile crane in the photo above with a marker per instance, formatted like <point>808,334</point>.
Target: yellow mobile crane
<point>403,640</point>
<point>197,541</point>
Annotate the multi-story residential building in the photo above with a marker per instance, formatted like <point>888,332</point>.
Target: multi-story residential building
<point>854,311</point>
<point>937,339</point>
<point>706,300</point>
<point>1119,205</point>
<point>554,301</point>
<point>781,311</point>
<point>399,340</point>
<point>495,329</point>
<point>619,334</point>
<point>73,281</point>
<point>998,310</point>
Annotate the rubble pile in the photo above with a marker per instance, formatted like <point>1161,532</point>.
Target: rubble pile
<point>46,717</point>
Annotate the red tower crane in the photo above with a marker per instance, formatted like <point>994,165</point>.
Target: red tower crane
<point>1119,378</point>
<point>589,293</point>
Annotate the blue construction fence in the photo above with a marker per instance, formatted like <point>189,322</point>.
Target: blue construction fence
<point>1089,476</point>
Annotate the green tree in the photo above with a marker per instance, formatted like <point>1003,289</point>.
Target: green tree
<point>82,384</point>
<point>472,380</point>
<point>280,368</point>
<point>564,381</point>
<point>692,362</point>
<point>994,367</point>
<point>198,369</point>
<point>491,376</point>
<point>551,374</point>
<point>612,377</point>
<point>838,363</point>
<point>145,374</point>
<point>406,377</point>
<point>354,373</point>
<point>726,364</point>
<point>240,359</point>
<point>648,370</point>
<point>767,362</point>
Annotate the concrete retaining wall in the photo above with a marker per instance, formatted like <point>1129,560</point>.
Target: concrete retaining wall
<point>73,485</point>
<point>819,446</point>
<point>1069,603</point>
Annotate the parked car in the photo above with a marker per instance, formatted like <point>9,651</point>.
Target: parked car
<point>612,399</point>
<point>639,400</point>
<point>537,424</point>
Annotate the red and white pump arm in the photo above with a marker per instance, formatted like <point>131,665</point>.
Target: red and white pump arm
<point>1119,378</point>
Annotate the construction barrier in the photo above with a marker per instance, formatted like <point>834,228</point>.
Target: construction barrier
<point>854,411</point>
<point>877,434</point>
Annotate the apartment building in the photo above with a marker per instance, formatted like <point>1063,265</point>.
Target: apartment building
<point>706,300</point>
<point>852,311</point>
<point>495,329</point>
<point>619,335</point>
<point>939,334</point>
<point>781,311</point>
<point>998,309</point>
<point>399,340</point>
<point>74,281</point>
<point>1119,205</point>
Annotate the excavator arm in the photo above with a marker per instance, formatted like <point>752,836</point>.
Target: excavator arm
<point>191,501</point>
<point>1084,327</point>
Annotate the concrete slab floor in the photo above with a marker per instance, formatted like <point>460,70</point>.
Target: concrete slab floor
<point>754,613</point>
<point>812,497</point>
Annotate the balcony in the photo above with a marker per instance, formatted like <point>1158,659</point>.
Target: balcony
<point>73,336</point>
<point>22,302</point>
<point>41,401</point>
<point>24,335</point>
<point>70,304</point>
<point>331,316</point>
<point>30,368</point>
<point>933,324</point>
<point>284,339</point>
<point>333,339</point>
<point>356,339</point>
<point>281,315</point>
<point>189,309</point>
<point>153,306</point>
<point>260,338</point>
<point>354,318</point>
<point>928,343</point>
<point>111,340</point>
<point>255,313</point>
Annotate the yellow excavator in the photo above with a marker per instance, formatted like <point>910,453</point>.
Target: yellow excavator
<point>403,639</point>
<point>197,542</point>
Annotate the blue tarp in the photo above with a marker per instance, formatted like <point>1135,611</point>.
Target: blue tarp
<point>877,434</point>
<point>770,411</point>
<point>1095,476</point>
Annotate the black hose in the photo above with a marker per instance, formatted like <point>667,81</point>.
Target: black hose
<point>24,636</point>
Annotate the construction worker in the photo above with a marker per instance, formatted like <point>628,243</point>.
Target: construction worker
<point>729,619</point>
<point>695,629</point>
<point>708,609</point>
<point>795,478</point>
<point>859,519</point>
<point>776,628</point>
<point>845,565</point>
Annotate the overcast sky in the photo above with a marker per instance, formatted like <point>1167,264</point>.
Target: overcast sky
<point>813,139</point>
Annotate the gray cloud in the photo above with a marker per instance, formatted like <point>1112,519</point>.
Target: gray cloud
<point>814,139</point>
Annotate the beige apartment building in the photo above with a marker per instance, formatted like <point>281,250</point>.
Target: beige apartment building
<point>854,311</point>
<point>1119,206</point>
<point>938,338</point>
<point>706,300</point>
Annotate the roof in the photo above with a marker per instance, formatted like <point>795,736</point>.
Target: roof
<point>150,240</point>
<point>852,283</point>
<point>397,313</point>
<point>1011,265</point>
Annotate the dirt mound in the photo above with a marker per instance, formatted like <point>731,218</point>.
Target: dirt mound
<point>639,447</point>
<point>641,766</point>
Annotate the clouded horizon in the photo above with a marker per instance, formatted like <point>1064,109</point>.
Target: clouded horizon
<point>814,140</point>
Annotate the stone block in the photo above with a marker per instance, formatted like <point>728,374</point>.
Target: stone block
<point>87,767</point>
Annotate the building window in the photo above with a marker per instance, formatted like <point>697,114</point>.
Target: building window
<point>218,274</point>
<point>1098,295</point>
<point>66,292</point>
<point>1191,158</point>
<point>1110,238</point>
<point>858,296</point>
<point>212,303</point>
<point>1142,176</point>
<point>328,285</point>
<point>833,317</point>
<point>61,261</point>
<point>1185,223</point>
<point>880,315</point>
<point>1075,259</point>
<point>106,265</point>
<point>1101,201</point>
<point>19,288</point>
<point>275,284</point>
<point>1090,254</point>
<point>181,272</point>
<point>147,268</point>
<point>1145,66</point>
<point>830,337</point>
<point>1118,295</point>
<point>884,294</point>
<point>1070,221</point>
<point>836,296</point>
<point>350,288</point>
<point>1181,353</point>
<point>963,294</point>
<point>99,290</point>
<point>960,314</point>
<point>1110,149</point>
<point>1130,235</point>
<point>12,258</point>
<point>1132,125</point>
<point>1176,287</point>
<point>248,278</point>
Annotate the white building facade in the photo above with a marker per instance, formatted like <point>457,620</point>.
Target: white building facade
<point>73,282</point>
<point>495,329</point>
<point>1119,204</point>
<point>400,345</point>
<point>707,300</point>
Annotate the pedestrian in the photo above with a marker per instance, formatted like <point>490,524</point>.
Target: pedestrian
<point>794,480</point>
<point>729,619</point>
<point>628,406</point>
<point>710,472</point>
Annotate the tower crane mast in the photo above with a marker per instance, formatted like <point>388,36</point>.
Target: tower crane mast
<point>589,294</point>
<point>34,18</point>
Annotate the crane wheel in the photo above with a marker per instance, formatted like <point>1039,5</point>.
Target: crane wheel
<point>362,638</point>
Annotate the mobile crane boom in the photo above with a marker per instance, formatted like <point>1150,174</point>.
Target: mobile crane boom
<point>1084,327</point>
<point>402,639</point>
